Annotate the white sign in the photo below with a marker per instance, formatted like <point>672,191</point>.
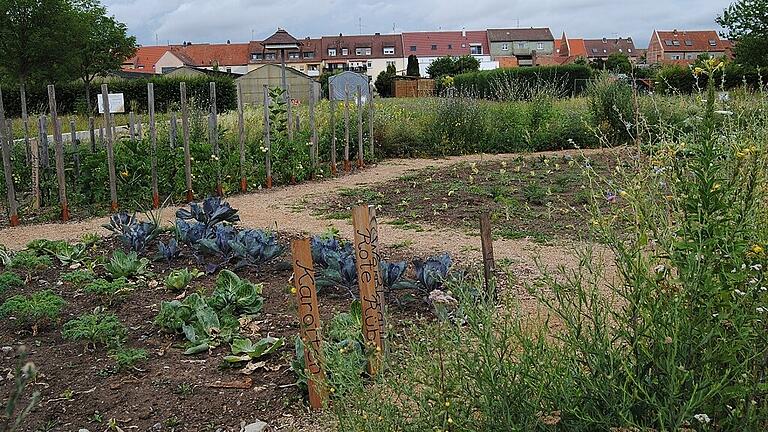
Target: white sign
<point>116,103</point>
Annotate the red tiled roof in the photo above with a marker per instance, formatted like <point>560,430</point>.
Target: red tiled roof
<point>146,57</point>
<point>376,43</point>
<point>307,45</point>
<point>451,43</point>
<point>281,37</point>
<point>209,54</point>
<point>691,41</point>
<point>605,47</point>
<point>576,47</point>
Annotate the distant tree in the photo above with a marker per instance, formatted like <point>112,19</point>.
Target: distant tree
<point>581,61</point>
<point>384,81</point>
<point>102,43</point>
<point>413,66</point>
<point>746,22</point>
<point>466,63</point>
<point>618,63</point>
<point>35,37</point>
<point>442,66</point>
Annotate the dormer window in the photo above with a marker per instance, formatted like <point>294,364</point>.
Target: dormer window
<point>712,42</point>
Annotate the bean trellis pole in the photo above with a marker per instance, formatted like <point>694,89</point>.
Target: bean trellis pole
<point>60,176</point>
<point>332,121</point>
<point>153,140</point>
<point>25,120</point>
<point>360,156</point>
<point>267,144</point>
<point>313,128</point>
<point>370,119</point>
<point>6,142</point>
<point>346,129</point>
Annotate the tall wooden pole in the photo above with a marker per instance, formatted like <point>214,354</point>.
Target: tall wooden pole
<point>313,128</point>
<point>153,143</point>
<point>213,136</point>
<point>131,126</point>
<point>267,144</point>
<point>110,146</point>
<point>25,120</point>
<point>347,166</point>
<point>172,133</point>
<point>10,189</point>
<point>360,150</point>
<point>371,120</point>
<point>241,135</point>
<point>185,127</point>
<point>74,143</point>
<point>60,176</point>
<point>92,134</point>
<point>332,105</point>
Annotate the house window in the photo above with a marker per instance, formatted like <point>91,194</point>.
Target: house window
<point>257,56</point>
<point>450,46</point>
<point>668,42</point>
<point>390,63</point>
<point>521,45</point>
<point>229,70</point>
<point>332,52</point>
<point>676,42</point>
<point>269,56</point>
<point>712,42</point>
<point>293,55</point>
<point>344,51</point>
<point>689,43</point>
<point>476,49</point>
<point>629,50</point>
<point>434,47</point>
<point>675,56</point>
<point>362,51</point>
<point>413,47</point>
<point>594,50</point>
<point>309,54</point>
<point>540,45</point>
<point>370,64</point>
<point>505,47</point>
<point>389,50</point>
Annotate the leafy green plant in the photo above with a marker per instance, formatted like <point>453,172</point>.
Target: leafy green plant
<point>78,278</point>
<point>107,288</point>
<point>236,295</point>
<point>203,327</point>
<point>432,272</point>
<point>178,280</point>
<point>33,309</point>
<point>128,357</point>
<point>243,349</point>
<point>65,252</point>
<point>534,194</point>
<point>126,265</point>
<point>133,234</point>
<point>29,260</point>
<point>10,280</point>
<point>96,328</point>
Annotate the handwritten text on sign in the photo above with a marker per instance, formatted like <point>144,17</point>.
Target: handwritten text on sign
<point>309,320</point>
<point>367,260</point>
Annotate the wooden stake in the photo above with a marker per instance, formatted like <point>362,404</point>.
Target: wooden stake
<point>139,128</point>
<point>25,121</point>
<point>289,112</point>
<point>241,135</point>
<point>185,131</point>
<point>347,166</point>
<point>43,130</point>
<point>313,128</point>
<point>110,148</point>
<point>371,288</point>
<point>332,105</point>
<point>213,136</point>
<point>92,134</point>
<point>309,321</point>
<point>173,130</point>
<point>75,147</point>
<point>7,143</point>
<point>101,135</point>
<point>370,120</point>
<point>131,126</point>
<point>360,155</point>
<point>35,162</point>
<point>486,239</point>
<point>267,144</point>
<point>153,143</point>
<point>60,176</point>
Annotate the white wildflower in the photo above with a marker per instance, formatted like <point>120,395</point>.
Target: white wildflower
<point>702,418</point>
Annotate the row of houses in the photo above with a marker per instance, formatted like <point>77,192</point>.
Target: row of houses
<point>371,54</point>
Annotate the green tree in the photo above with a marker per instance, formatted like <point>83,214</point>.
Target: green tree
<point>746,22</point>
<point>413,66</point>
<point>619,63</point>
<point>466,63</point>
<point>442,66</point>
<point>384,81</point>
<point>102,43</point>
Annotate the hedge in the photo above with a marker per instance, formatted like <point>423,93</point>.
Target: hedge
<point>573,78</point>
<point>680,79</point>
<point>70,97</point>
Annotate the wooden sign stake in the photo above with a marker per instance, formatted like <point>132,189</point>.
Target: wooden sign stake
<point>241,135</point>
<point>486,239</point>
<point>110,147</point>
<point>59,154</point>
<point>347,166</point>
<point>309,321</point>
<point>7,142</point>
<point>267,144</point>
<point>367,260</point>
<point>153,143</point>
<point>185,131</point>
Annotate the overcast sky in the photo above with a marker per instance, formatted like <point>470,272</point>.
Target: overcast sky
<point>214,21</point>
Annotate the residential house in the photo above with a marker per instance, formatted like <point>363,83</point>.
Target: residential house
<point>522,46</point>
<point>307,58</point>
<point>229,57</point>
<point>568,50</point>
<point>145,59</point>
<point>685,46</point>
<point>368,54</point>
<point>429,46</point>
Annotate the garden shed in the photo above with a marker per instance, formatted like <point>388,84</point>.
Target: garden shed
<point>270,74</point>
<point>350,80</point>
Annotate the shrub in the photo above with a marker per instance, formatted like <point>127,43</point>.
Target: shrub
<point>10,280</point>
<point>611,107</point>
<point>43,305</point>
<point>570,78</point>
<point>29,260</point>
<point>96,328</point>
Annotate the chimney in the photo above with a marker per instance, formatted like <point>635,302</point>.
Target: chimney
<point>463,32</point>
<point>228,42</point>
<point>605,40</point>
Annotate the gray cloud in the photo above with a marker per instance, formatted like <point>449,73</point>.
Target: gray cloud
<point>175,21</point>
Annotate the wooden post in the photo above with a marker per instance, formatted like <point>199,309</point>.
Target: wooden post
<point>110,148</point>
<point>241,135</point>
<point>366,239</point>
<point>153,143</point>
<point>139,128</point>
<point>173,130</point>
<point>43,130</point>
<point>289,112</point>
<point>370,119</point>
<point>75,146</point>
<point>101,135</point>
<point>25,121</point>
<point>35,162</point>
<point>332,120</point>
<point>213,136</point>
<point>7,143</point>
<point>360,150</point>
<point>185,131</point>
<point>313,129</point>
<point>486,238</point>
<point>309,321</point>
<point>267,144</point>
<point>347,166</point>
<point>131,126</point>
<point>92,134</point>
<point>113,125</point>
<point>60,176</point>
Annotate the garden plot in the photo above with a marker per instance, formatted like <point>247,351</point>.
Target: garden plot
<point>190,329</point>
<point>543,198</point>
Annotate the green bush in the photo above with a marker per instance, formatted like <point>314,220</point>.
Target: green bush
<point>28,260</point>
<point>96,328</point>
<point>681,79</point>
<point>611,105</point>
<point>43,305</point>
<point>10,280</point>
<point>570,79</point>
